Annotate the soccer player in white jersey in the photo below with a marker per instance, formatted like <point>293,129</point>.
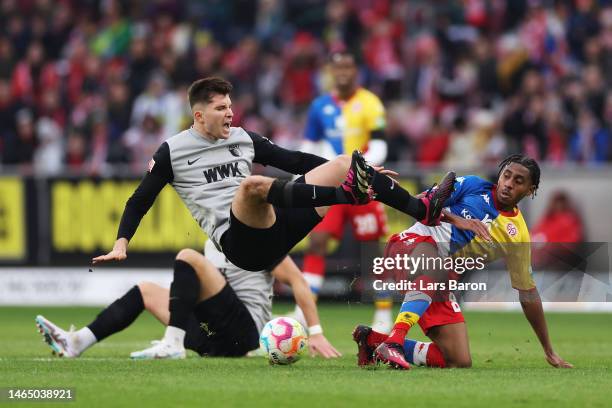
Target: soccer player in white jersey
<point>222,313</point>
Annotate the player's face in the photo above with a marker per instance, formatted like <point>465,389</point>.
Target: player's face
<point>215,117</point>
<point>344,72</point>
<point>513,185</point>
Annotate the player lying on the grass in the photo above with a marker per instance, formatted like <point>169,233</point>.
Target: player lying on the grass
<point>474,200</point>
<point>209,165</point>
<point>212,308</point>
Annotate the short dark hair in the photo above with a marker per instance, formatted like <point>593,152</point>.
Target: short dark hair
<point>525,161</point>
<point>203,90</point>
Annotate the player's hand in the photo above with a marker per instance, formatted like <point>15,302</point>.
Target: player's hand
<point>118,253</point>
<point>556,361</point>
<point>318,344</point>
<point>476,226</point>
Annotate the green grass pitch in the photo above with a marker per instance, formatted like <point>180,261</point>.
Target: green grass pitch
<point>509,368</point>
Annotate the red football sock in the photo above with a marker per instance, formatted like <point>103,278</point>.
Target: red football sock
<point>409,313</point>
<point>398,333</point>
<point>424,354</point>
<point>375,338</point>
<point>434,357</point>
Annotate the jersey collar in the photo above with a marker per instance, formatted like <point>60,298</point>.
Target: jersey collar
<point>201,136</point>
<point>512,213</point>
<point>341,102</point>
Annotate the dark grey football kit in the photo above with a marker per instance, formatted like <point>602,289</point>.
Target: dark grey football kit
<point>206,175</point>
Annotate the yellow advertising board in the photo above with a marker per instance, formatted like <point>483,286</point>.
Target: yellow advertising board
<point>12,220</point>
<point>85,216</point>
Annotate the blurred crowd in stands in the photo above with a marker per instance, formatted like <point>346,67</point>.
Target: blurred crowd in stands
<point>91,85</point>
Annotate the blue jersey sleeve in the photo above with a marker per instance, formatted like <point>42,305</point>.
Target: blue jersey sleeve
<point>314,129</point>
<point>465,185</point>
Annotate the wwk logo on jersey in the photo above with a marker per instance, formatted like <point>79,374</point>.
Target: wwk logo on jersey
<point>221,172</point>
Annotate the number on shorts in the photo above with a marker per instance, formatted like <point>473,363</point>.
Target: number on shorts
<point>366,224</point>
<point>453,301</point>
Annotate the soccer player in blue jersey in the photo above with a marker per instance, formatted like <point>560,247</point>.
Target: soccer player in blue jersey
<point>440,317</point>
<point>347,118</point>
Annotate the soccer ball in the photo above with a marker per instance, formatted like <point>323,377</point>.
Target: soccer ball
<point>284,340</point>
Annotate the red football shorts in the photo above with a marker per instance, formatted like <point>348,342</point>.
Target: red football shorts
<point>439,313</point>
<point>369,221</point>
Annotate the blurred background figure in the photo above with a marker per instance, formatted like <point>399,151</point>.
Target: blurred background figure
<point>557,233</point>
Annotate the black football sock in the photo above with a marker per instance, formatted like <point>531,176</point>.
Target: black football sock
<point>392,194</point>
<point>289,194</point>
<point>184,292</point>
<point>118,315</point>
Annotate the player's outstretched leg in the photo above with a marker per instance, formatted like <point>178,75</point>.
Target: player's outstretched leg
<point>195,279</point>
<point>184,292</point>
<point>63,343</point>
<point>116,317</point>
<point>427,210</point>
<point>315,192</point>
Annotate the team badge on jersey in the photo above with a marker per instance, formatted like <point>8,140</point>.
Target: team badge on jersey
<point>234,149</point>
<point>511,229</point>
<point>150,165</point>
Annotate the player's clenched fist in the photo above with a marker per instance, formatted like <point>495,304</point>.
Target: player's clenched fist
<point>118,253</point>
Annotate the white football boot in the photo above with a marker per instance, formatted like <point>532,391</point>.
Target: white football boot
<point>160,350</point>
<point>63,343</point>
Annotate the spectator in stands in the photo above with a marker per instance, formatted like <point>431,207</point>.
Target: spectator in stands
<point>559,231</point>
<point>535,65</point>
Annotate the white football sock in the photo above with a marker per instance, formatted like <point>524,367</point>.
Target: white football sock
<point>84,339</point>
<point>175,336</point>
<point>420,353</point>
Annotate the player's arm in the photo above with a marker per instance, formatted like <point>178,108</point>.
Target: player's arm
<point>287,272</point>
<point>532,308</point>
<point>157,176</point>
<point>294,162</point>
<point>521,277</point>
<point>476,226</point>
<point>377,146</point>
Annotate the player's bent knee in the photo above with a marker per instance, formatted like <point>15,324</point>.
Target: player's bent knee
<point>343,161</point>
<point>256,186</point>
<point>147,291</point>
<point>188,255</point>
